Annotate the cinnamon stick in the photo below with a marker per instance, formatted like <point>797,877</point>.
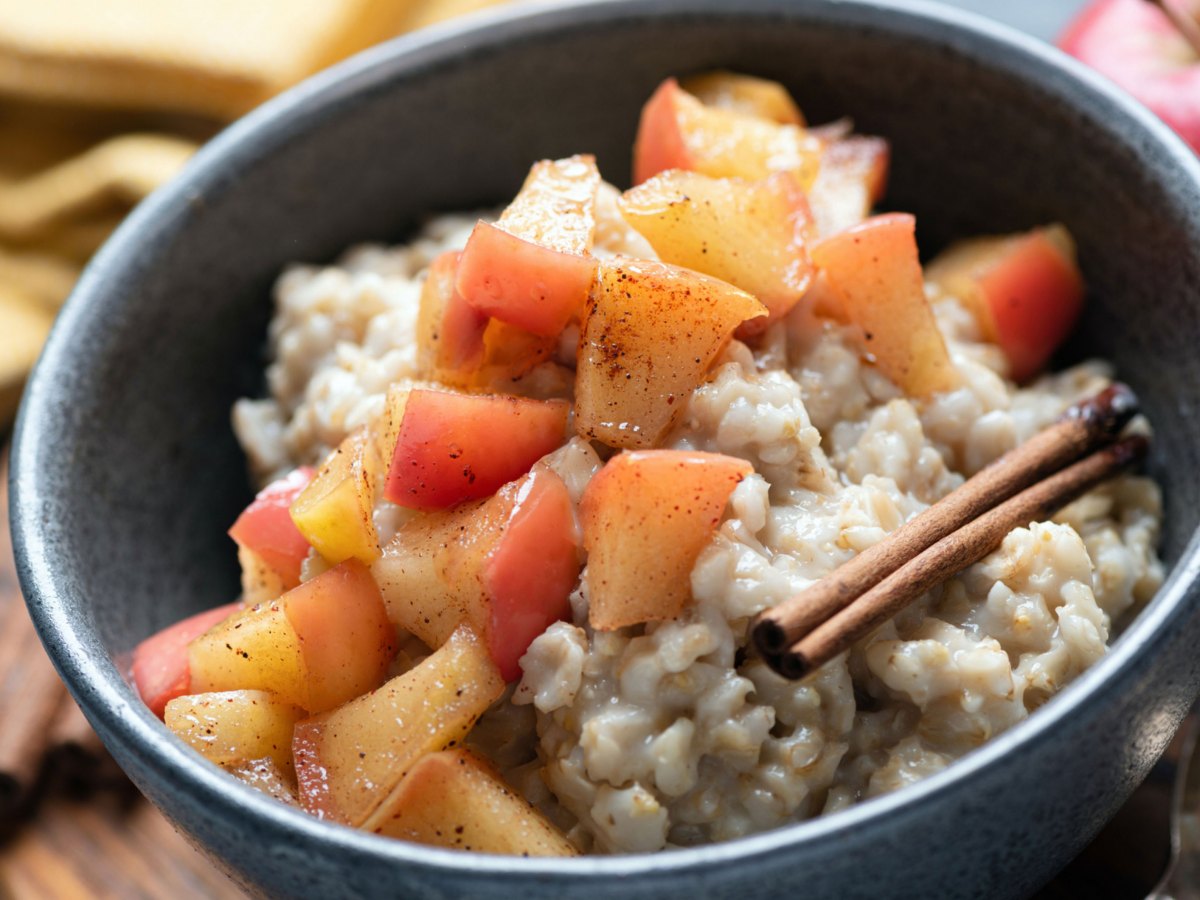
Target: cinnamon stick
<point>951,555</point>
<point>1082,428</point>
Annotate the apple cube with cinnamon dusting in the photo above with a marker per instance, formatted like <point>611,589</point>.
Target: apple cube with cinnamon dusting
<point>650,334</point>
<point>349,760</point>
<point>752,234</point>
<point>646,516</point>
<point>456,799</point>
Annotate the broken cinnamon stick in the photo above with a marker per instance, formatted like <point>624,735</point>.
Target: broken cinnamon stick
<point>952,554</point>
<point>1081,429</point>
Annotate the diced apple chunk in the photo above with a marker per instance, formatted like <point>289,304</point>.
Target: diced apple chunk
<point>456,447</point>
<point>260,582</point>
<point>449,329</point>
<point>505,565</point>
<point>265,776</point>
<point>461,347</point>
<point>317,646</point>
<point>266,527</point>
<point>852,180</point>
<point>650,334</point>
<point>677,131</point>
<point>1025,290</point>
<point>457,800</point>
<point>335,510</point>
<point>349,760</point>
<point>231,727</point>
<point>345,636</point>
<point>533,267</point>
<point>745,94</point>
<point>646,516</point>
<point>161,671</point>
<point>875,273</point>
<point>752,234</point>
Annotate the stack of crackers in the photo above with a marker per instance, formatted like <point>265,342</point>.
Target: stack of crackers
<point>102,102</point>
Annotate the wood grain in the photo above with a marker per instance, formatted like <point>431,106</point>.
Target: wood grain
<point>111,844</point>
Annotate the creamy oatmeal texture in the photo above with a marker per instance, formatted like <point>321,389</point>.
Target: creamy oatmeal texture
<point>670,734</point>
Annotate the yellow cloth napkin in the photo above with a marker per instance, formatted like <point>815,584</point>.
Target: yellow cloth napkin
<point>103,101</point>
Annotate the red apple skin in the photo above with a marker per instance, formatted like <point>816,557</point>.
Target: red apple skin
<point>525,284</point>
<point>531,573</point>
<point>266,526</point>
<point>455,447</point>
<point>1137,46</point>
<point>659,145</point>
<point>160,663</point>
<point>1035,295</point>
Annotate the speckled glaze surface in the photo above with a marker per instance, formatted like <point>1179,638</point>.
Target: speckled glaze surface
<point>125,473</point>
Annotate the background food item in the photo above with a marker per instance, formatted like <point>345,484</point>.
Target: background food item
<point>217,58</point>
<point>1137,45</point>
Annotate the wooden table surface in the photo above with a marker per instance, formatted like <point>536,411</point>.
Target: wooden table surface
<point>112,844</point>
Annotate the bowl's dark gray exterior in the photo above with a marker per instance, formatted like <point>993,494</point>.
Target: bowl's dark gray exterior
<point>125,473</point>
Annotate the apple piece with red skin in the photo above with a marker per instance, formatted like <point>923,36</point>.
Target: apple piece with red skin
<point>449,329</point>
<point>456,447</point>
<point>1135,44</point>
<point>266,527</point>
<point>650,334</point>
<point>1025,290</point>
<point>533,268</point>
<point>677,131</point>
<point>459,346</point>
<point>505,565</point>
<point>646,516</point>
<point>318,646</point>
<point>875,274</point>
<point>752,234</point>
<point>160,662</point>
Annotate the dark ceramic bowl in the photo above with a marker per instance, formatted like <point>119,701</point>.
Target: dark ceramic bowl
<point>126,474</point>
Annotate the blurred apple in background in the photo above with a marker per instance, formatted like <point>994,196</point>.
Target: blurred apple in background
<point>1141,48</point>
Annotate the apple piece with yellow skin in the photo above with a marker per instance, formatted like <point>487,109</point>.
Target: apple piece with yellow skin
<point>533,267</point>
<point>349,760</point>
<point>317,646</point>
<point>646,516</point>
<point>457,800</point>
<point>875,273</point>
<point>231,727</point>
<point>745,94</point>
<point>335,510</point>
<point>752,234</point>
<point>1025,290</point>
<point>677,131</point>
<point>852,179</point>
<point>505,565</point>
<point>650,334</point>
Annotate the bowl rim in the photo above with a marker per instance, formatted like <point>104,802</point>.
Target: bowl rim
<point>107,698</point>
